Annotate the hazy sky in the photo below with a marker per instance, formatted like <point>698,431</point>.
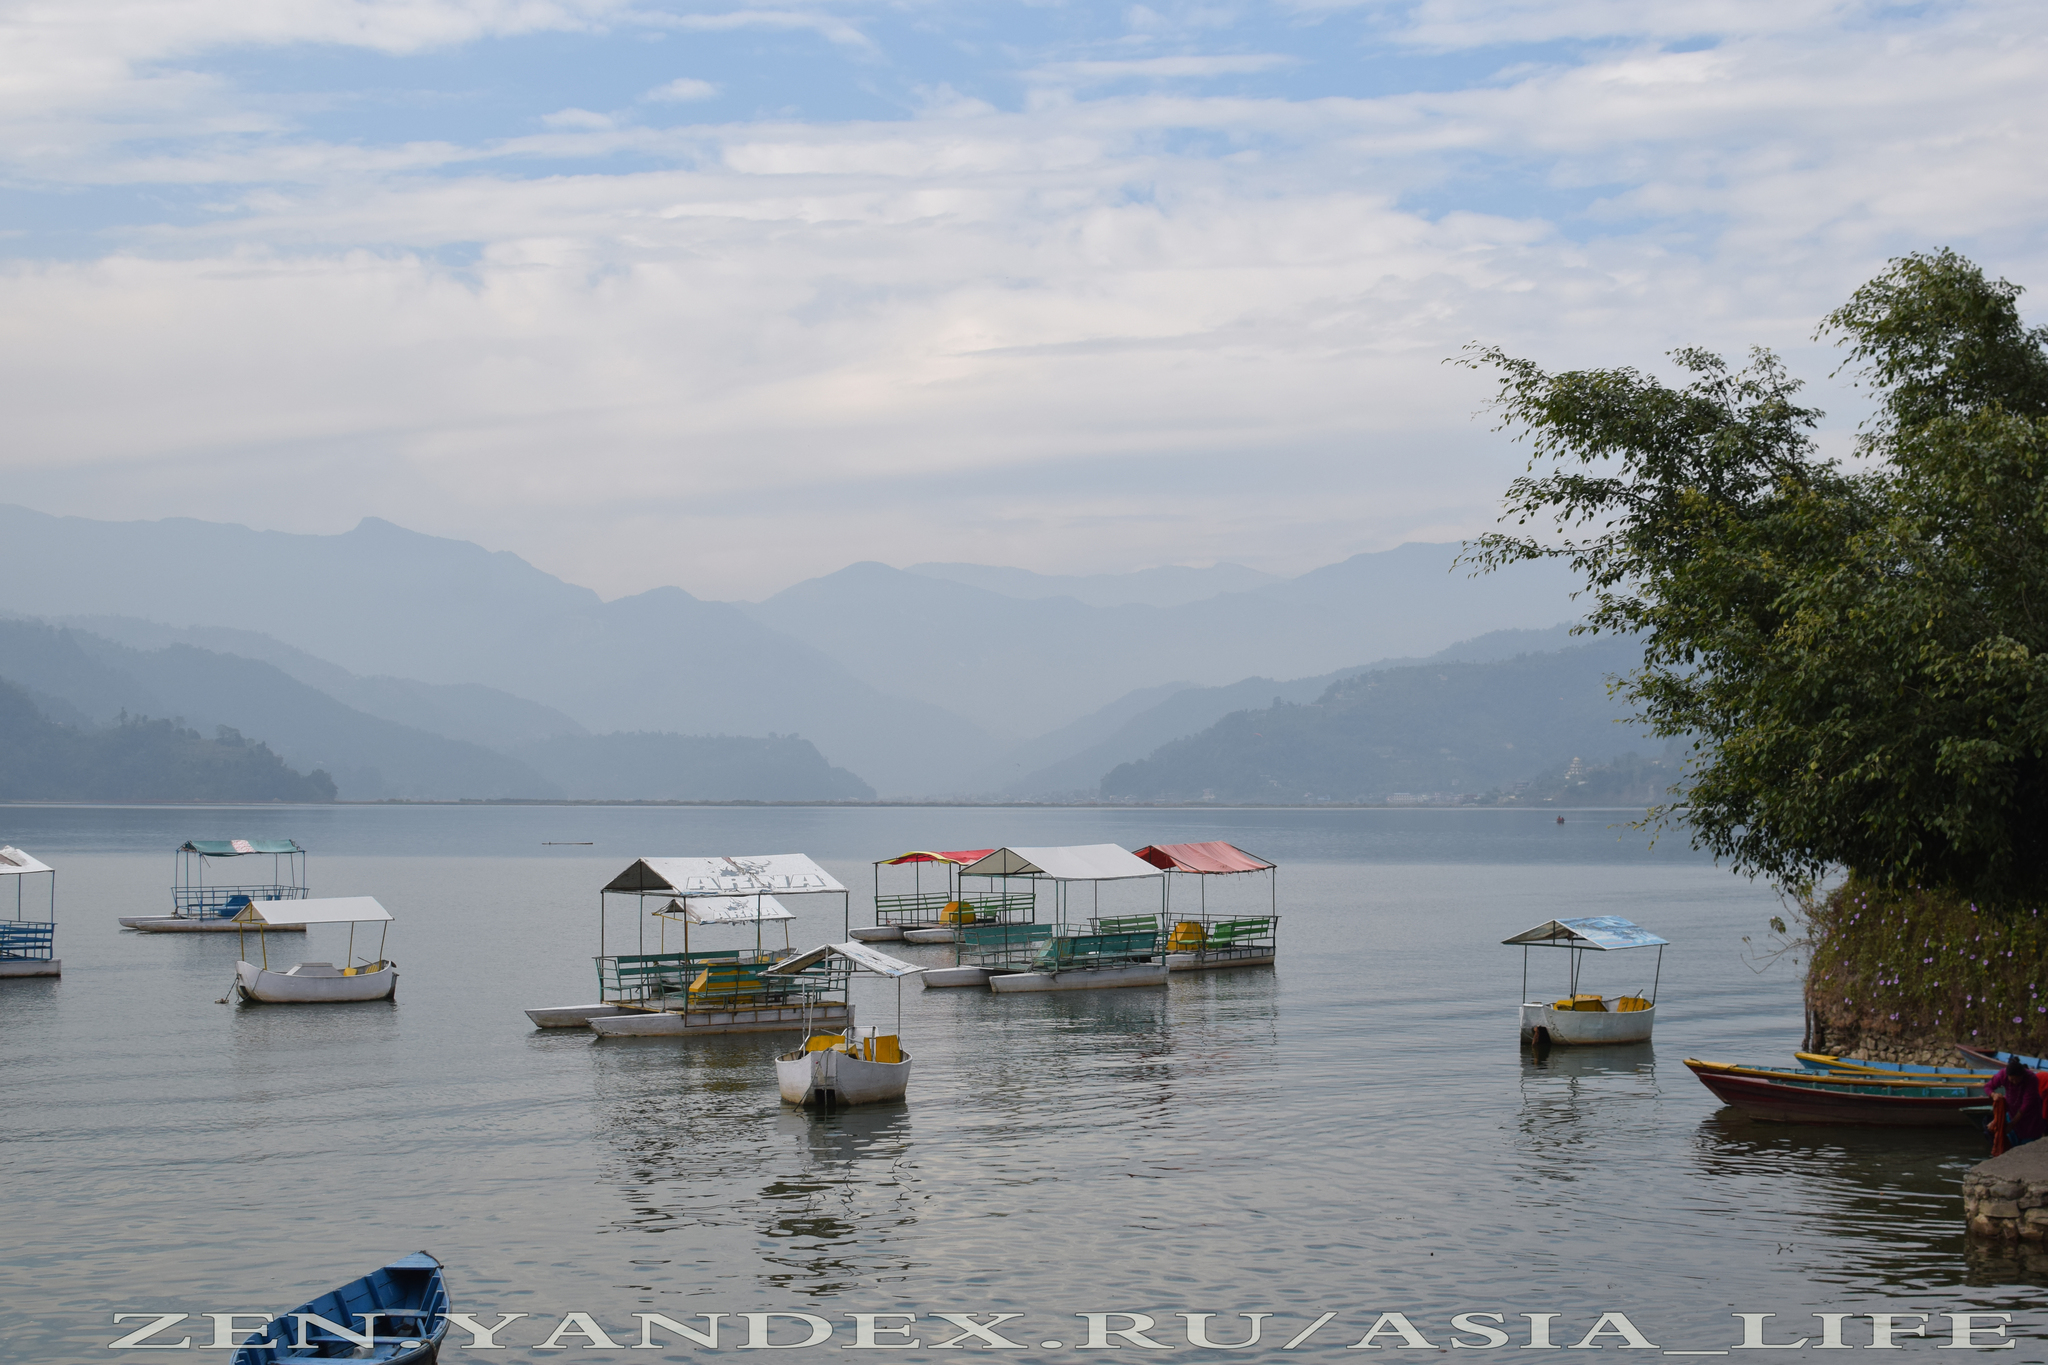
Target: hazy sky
<point>725,295</point>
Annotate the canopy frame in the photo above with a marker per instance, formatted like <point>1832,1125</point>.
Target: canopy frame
<point>723,877</point>
<point>193,898</point>
<point>24,939</point>
<point>1594,933</point>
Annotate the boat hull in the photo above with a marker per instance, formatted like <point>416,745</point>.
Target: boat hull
<point>1210,962</point>
<point>879,933</point>
<point>1783,1101</point>
<point>409,1303</point>
<point>932,934</point>
<point>31,966</point>
<point>571,1016</point>
<point>829,1078</point>
<point>1087,979</point>
<point>1587,1028</point>
<point>259,986</point>
<point>179,924</point>
<point>940,978</point>
<point>707,1023</point>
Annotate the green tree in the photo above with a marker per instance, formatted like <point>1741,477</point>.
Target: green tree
<point>1860,658</point>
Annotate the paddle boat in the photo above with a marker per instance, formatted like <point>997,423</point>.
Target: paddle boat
<point>846,1066</point>
<point>1201,941</point>
<point>698,992</point>
<point>318,983</point>
<point>28,947</point>
<point>918,915</point>
<point>1864,1099</point>
<point>223,908</point>
<point>1584,1018</point>
<point>1013,957</point>
<point>396,1313</point>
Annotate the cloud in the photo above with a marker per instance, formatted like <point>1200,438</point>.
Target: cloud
<point>1164,68</point>
<point>681,90</point>
<point>1094,330</point>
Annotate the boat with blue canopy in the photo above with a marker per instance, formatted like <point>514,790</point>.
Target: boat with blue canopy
<point>398,1312</point>
<point>1588,1018</point>
<point>28,946</point>
<point>223,904</point>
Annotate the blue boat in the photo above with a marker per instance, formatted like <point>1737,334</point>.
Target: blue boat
<point>1997,1060</point>
<point>398,1313</point>
<point>1828,1062</point>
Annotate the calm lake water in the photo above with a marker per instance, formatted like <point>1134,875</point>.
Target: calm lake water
<point>1353,1131</point>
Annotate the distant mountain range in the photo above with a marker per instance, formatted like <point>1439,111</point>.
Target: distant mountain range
<point>407,665</point>
<point>1439,727</point>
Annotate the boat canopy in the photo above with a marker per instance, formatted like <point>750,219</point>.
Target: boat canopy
<point>235,848</point>
<point>725,909</point>
<point>857,953</point>
<point>963,855</point>
<point>1078,863</point>
<point>1211,858</point>
<point>753,875</point>
<point>15,863</point>
<point>1605,932</point>
<point>328,910</point>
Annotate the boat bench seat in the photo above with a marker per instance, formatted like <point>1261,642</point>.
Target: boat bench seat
<point>1098,950</point>
<point>1127,924</point>
<point>1234,931</point>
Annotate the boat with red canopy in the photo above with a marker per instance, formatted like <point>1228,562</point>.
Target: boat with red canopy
<point>1238,932</point>
<point>920,915</point>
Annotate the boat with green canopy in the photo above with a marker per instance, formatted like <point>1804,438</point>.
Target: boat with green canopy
<point>28,947</point>
<point>213,890</point>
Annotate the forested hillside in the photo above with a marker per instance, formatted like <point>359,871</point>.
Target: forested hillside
<point>138,759</point>
<point>1438,727</point>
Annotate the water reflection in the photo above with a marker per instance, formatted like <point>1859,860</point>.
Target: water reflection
<point>1579,1104</point>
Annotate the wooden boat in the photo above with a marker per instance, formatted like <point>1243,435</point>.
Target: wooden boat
<point>854,1066</point>
<point>28,947</point>
<point>199,908</point>
<point>1587,1018</point>
<point>396,1313</point>
<point>1822,1061</point>
<point>1995,1061</point>
<point>311,983</point>
<point>1785,1096</point>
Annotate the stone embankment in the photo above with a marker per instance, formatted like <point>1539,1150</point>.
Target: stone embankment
<point>2006,1198</point>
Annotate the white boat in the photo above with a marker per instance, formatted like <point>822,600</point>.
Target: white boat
<point>310,983</point>
<point>28,947</point>
<point>939,978</point>
<point>198,907</point>
<point>1238,935</point>
<point>831,1070</point>
<point>837,1067</point>
<point>571,1016</point>
<point>1590,1019</point>
<point>878,933</point>
<point>686,1023</point>
<point>1586,1018</point>
<point>948,934</point>
<point>1015,957</point>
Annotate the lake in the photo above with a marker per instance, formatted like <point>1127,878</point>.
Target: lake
<point>1352,1131</point>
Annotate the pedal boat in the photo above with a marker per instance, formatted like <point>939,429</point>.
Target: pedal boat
<point>1584,1018</point>
<point>856,1066</point>
<point>310,983</point>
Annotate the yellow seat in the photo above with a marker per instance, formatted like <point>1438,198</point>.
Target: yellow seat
<point>957,912</point>
<point>1629,1004</point>
<point>1586,1003</point>
<point>1188,937</point>
<point>884,1048</point>
<point>822,1042</point>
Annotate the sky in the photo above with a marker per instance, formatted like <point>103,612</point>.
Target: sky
<point>726,296</point>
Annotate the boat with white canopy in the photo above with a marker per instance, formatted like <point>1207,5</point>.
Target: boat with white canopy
<point>199,906</point>
<point>28,947</point>
<point>310,983</point>
<point>1585,1018</point>
<point>698,991</point>
<point>1239,932</point>
<point>1050,955</point>
<point>851,1065</point>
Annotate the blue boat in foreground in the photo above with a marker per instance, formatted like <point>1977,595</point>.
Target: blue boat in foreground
<point>397,1313</point>
<point>1825,1061</point>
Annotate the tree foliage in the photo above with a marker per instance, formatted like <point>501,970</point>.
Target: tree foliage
<point>1860,657</point>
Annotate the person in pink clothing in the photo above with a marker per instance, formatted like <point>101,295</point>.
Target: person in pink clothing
<point>2023,1110</point>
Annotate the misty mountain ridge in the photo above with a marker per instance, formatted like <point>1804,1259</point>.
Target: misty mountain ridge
<point>900,677</point>
<point>1170,585</point>
<point>1459,727</point>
